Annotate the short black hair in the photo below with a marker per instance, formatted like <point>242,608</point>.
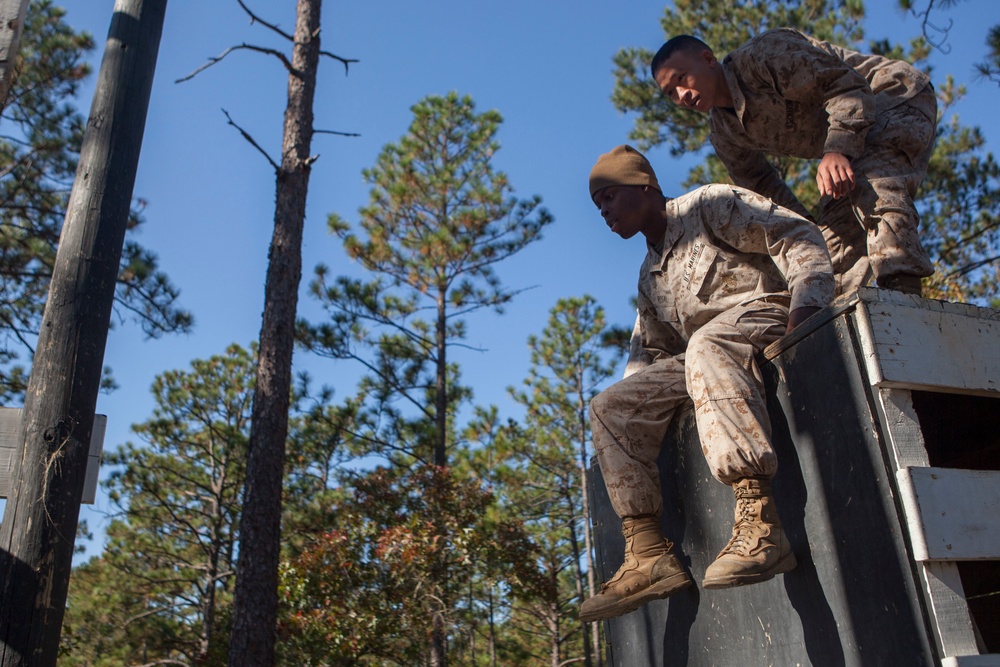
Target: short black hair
<point>680,43</point>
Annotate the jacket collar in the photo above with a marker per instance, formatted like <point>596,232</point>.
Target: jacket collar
<point>739,100</point>
<point>670,237</point>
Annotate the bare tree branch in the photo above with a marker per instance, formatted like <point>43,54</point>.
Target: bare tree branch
<point>256,19</point>
<point>250,47</point>
<point>346,61</point>
<point>341,134</point>
<point>969,268</point>
<point>252,142</point>
<point>935,35</point>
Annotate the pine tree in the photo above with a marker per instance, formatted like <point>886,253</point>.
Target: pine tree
<point>255,605</point>
<point>319,450</point>
<point>43,132</point>
<point>440,218</point>
<point>171,546</point>
<point>360,593</point>
<point>545,467</point>
<point>990,67</point>
<point>960,210</point>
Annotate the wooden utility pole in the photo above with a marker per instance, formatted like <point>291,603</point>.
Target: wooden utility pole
<point>12,13</point>
<point>40,519</point>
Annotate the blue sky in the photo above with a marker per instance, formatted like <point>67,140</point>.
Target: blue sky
<point>545,65</point>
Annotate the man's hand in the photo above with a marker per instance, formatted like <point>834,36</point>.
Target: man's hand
<point>797,316</point>
<point>835,176</point>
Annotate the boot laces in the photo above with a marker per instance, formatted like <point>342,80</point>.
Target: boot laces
<point>743,532</point>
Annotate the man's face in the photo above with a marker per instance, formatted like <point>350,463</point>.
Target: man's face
<point>691,79</point>
<point>623,208</point>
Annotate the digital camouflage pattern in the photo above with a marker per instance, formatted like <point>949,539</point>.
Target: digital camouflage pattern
<point>800,97</point>
<point>710,300</point>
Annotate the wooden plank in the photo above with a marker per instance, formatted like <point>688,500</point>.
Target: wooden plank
<point>840,305</point>
<point>952,623</point>
<point>10,424</point>
<point>991,660</point>
<point>10,447</point>
<point>94,459</point>
<point>930,344</point>
<point>902,427</point>
<point>952,514</point>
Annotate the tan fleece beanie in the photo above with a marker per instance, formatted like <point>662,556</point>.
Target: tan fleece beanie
<point>623,165</point>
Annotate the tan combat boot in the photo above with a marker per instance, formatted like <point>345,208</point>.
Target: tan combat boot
<point>651,571</point>
<point>758,549</point>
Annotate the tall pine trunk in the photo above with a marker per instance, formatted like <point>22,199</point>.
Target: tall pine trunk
<point>594,644</point>
<point>255,602</point>
<point>439,646</point>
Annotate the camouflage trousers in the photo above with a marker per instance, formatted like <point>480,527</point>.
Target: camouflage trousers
<point>718,373</point>
<point>898,148</point>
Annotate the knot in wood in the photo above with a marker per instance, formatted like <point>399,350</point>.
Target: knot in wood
<point>58,432</point>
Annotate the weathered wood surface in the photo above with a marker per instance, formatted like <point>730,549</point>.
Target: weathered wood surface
<point>972,661</point>
<point>40,516</point>
<point>923,343</point>
<point>11,446</point>
<point>952,514</point>
<point>12,15</point>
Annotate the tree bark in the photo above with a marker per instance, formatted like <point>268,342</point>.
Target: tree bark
<point>40,518</point>
<point>439,638</point>
<point>255,602</point>
<point>593,646</point>
<point>441,380</point>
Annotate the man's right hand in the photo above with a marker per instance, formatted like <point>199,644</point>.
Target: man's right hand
<point>835,176</point>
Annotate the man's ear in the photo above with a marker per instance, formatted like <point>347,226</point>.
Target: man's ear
<point>708,57</point>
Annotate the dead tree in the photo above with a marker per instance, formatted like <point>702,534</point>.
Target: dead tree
<point>255,603</point>
<point>40,518</point>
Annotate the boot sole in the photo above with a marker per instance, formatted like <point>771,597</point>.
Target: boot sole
<point>662,589</point>
<point>786,564</point>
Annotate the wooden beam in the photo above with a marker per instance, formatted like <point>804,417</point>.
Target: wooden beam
<point>952,514</point>
<point>40,517</point>
<point>991,660</point>
<point>911,342</point>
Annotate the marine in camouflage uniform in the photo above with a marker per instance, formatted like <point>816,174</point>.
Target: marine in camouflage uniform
<point>713,292</point>
<point>871,120</point>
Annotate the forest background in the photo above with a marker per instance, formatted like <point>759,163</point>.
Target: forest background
<point>206,197</point>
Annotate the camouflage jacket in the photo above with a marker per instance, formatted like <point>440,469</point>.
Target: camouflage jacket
<point>726,247</point>
<point>797,96</point>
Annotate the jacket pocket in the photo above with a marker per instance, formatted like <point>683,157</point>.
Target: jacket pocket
<point>698,267</point>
